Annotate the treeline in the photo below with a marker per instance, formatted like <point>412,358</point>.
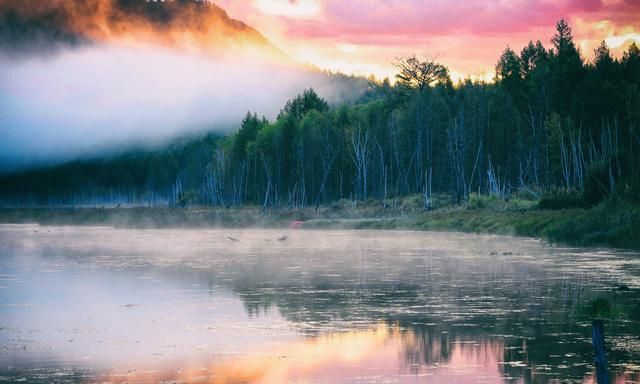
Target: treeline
<point>552,122</point>
<point>139,178</point>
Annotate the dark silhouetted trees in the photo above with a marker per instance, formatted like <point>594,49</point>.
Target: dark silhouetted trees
<point>553,121</point>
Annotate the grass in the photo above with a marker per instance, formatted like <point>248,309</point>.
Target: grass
<point>149,217</point>
<point>612,223</point>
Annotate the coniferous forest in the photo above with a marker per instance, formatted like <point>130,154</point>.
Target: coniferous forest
<point>557,124</point>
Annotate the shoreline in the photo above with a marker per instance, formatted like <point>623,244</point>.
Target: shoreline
<point>609,224</point>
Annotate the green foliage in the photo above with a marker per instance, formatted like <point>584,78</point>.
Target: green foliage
<point>247,133</point>
<point>509,72</point>
<point>301,104</point>
<point>533,58</point>
<point>562,200</point>
<point>477,201</point>
<point>596,186</point>
<point>567,71</point>
<point>129,178</point>
<point>563,39</point>
<point>496,203</point>
<point>551,125</point>
<point>628,190</point>
<point>188,198</point>
<point>600,308</point>
<point>610,223</point>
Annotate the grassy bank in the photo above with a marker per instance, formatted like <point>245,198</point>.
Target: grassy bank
<point>611,223</point>
<point>608,224</point>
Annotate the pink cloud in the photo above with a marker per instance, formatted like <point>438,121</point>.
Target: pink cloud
<point>355,18</point>
<point>469,34</point>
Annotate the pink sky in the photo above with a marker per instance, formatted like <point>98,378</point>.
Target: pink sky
<point>364,36</point>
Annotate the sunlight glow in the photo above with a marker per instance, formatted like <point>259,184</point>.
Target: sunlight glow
<point>617,37</point>
<point>289,8</point>
<point>363,38</point>
<point>349,354</point>
<point>618,41</point>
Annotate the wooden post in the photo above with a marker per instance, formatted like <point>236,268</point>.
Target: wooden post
<point>597,338</point>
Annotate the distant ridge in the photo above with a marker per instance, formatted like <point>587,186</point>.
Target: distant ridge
<point>37,25</point>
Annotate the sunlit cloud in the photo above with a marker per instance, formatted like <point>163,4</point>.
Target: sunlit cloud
<point>289,8</point>
<point>617,36</point>
<point>618,41</point>
<point>364,37</point>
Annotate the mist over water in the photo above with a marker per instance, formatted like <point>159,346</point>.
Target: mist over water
<point>120,305</point>
<point>91,100</point>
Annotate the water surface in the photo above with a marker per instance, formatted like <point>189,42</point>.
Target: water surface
<point>97,304</point>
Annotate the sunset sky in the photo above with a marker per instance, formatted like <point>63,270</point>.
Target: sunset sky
<point>364,36</point>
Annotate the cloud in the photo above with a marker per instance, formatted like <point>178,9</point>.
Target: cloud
<point>468,35</point>
<point>81,78</point>
<point>86,102</point>
<point>290,8</point>
<point>357,18</point>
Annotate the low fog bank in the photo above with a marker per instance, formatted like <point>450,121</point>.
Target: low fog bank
<point>89,102</point>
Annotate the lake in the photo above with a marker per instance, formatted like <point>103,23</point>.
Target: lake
<point>98,304</point>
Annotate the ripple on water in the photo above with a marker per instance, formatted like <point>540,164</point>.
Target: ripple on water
<point>335,306</point>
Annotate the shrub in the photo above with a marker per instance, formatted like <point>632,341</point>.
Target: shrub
<point>628,190</point>
<point>477,201</point>
<point>596,184</point>
<point>188,198</point>
<point>562,200</point>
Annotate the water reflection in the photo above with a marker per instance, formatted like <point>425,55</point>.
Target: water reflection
<point>364,356</point>
<point>99,304</point>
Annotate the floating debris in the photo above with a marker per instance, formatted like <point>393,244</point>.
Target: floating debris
<point>283,237</point>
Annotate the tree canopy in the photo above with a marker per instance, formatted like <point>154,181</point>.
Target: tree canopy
<point>552,122</point>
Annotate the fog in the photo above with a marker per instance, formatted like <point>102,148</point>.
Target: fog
<point>95,99</point>
<point>100,304</point>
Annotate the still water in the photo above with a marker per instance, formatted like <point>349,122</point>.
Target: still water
<point>97,304</point>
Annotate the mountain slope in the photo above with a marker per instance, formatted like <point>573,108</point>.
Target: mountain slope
<point>33,25</point>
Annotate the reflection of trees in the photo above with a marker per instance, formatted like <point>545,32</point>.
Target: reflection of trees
<point>536,349</point>
<point>327,306</point>
<point>441,297</point>
<point>440,301</point>
<point>426,346</point>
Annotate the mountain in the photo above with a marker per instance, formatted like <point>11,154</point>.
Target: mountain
<point>93,78</point>
<point>35,25</point>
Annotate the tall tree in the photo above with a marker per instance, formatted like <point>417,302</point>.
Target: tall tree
<point>416,73</point>
<point>301,104</point>
<point>567,71</point>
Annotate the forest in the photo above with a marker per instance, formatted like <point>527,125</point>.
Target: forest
<point>555,124</point>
